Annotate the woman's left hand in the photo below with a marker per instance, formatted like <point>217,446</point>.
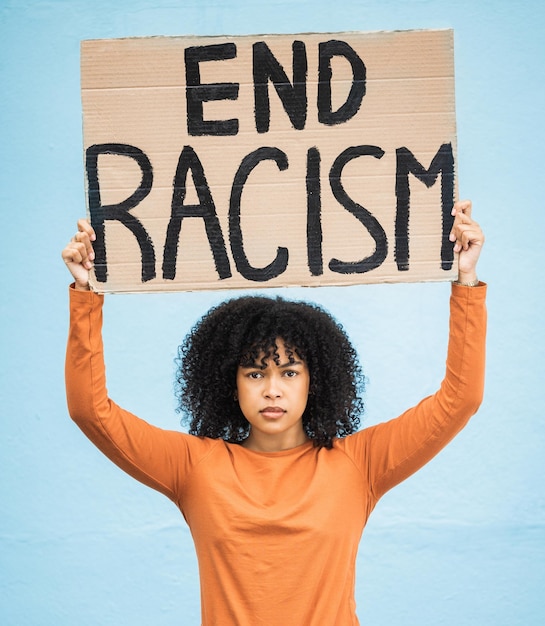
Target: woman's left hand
<point>468,239</point>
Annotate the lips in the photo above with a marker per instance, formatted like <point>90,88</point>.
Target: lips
<point>272,412</point>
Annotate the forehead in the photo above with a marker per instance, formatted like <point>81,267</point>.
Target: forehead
<point>278,352</point>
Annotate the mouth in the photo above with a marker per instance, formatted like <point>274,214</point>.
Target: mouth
<point>272,412</point>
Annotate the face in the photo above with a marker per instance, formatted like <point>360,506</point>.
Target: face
<point>273,398</point>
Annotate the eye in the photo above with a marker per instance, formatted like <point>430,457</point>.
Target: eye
<point>254,375</point>
<point>291,373</point>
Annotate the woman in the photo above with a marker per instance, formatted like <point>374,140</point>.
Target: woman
<point>273,480</point>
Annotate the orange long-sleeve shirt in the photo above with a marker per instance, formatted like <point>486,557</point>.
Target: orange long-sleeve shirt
<point>276,534</point>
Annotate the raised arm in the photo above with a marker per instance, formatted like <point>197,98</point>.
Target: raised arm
<point>156,457</point>
<point>390,452</point>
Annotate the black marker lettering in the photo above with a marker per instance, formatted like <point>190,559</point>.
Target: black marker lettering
<point>442,163</point>
<point>327,50</point>
<point>197,93</point>
<point>279,264</point>
<point>314,216</point>
<point>120,212</point>
<point>361,213</point>
<point>293,96</point>
<point>205,210</point>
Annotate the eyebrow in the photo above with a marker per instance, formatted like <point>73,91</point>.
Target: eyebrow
<point>262,367</point>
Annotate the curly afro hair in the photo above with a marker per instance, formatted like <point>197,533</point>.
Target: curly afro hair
<point>236,332</point>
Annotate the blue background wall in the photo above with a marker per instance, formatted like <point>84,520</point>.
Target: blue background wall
<point>463,541</point>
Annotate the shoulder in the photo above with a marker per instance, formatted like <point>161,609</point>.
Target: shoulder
<point>355,443</point>
<point>199,445</point>
<point>192,451</point>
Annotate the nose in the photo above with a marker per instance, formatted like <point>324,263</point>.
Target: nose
<point>272,388</point>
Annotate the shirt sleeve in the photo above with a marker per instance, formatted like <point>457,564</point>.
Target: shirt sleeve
<point>390,452</point>
<point>158,458</point>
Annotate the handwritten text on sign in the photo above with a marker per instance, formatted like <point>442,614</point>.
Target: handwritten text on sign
<point>269,161</point>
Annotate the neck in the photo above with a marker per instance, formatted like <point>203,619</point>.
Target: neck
<point>270,443</point>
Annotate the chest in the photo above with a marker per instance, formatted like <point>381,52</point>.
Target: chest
<point>315,495</point>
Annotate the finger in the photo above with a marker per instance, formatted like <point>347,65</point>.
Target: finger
<point>85,227</point>
<point>72,254</point>
<point>465,240</point>
<point>463,207</point>
<point>78,252</point>
<point>462,215</point>
<point>84,236</point>
<point>467,235</point>
<point>82,239</point>
<point>75,252</point>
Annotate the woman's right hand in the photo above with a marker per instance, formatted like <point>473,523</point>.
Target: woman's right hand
<point>79,256</point>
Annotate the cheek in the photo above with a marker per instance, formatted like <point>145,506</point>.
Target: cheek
<point>308,393</point>
<point>243,392</point>
<point>239,384</point>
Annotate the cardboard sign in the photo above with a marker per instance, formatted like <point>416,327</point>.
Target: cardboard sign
<point>266,161</point>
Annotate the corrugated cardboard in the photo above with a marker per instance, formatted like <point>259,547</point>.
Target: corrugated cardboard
<point>315,188</point>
